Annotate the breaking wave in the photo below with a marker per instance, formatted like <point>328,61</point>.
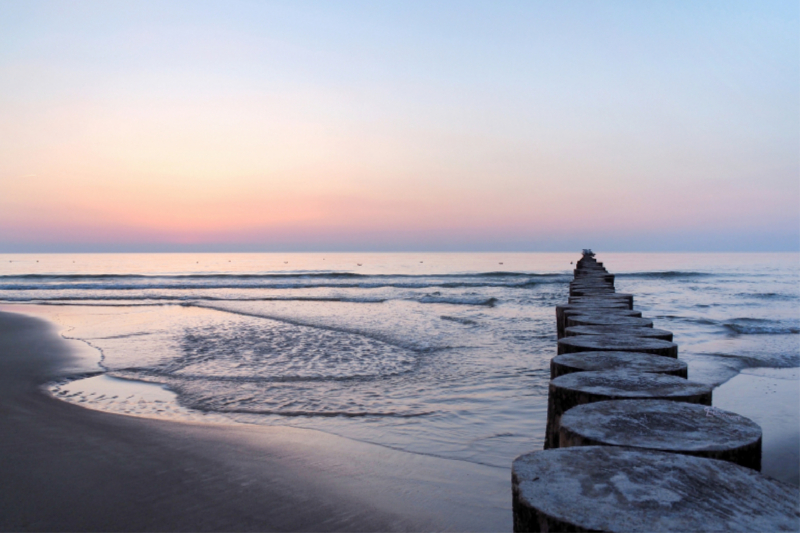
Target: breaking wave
<point>760,326</point>
<point>668,274</point>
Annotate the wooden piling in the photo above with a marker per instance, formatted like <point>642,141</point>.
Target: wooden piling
<point>608,319</point>
<point>652,333</point>
<point>614,489</point>
<point>612,308</point>
<point>608,364</point>
<point>665,426</point>
<point>603,275</point>
<point>616,343</point>
<point>630,361</point>
<point>615,307</point>
<point>627,298</point>
<point>579,388</point>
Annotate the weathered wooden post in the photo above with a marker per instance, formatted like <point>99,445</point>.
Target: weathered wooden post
<point>614,489</point>
<point>665,426</point>
<point>579,388</point>
<point>617,382</point>
<point>628,361</point>
<point>628,298</point>
<point>608,320</point>
<point>614,307</point>
<point>616,343</point>
<point>628,331</point>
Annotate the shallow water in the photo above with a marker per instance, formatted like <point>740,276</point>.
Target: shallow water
<point>771,398</point>
<point>441,354</point>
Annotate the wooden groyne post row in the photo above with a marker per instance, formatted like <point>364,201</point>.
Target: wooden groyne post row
<point>631,443</point>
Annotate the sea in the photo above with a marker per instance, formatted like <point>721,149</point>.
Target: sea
<point>438,354</point>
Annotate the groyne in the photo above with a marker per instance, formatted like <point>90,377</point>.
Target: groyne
<point>632,444</point>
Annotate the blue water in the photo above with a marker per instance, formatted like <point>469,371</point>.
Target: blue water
<point>442,354</point>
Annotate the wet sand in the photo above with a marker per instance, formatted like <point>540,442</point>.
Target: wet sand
<point>66,468</point>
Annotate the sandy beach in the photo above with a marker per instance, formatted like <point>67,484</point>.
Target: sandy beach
<point>66,468</point>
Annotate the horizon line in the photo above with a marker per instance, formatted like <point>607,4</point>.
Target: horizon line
<point>362,251</point>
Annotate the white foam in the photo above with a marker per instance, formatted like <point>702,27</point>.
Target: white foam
<point>128,397</point>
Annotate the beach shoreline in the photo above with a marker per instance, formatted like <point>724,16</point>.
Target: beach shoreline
<point>67,468</point>
<point>63,457</point>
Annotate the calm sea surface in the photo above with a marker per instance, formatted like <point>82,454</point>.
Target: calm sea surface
<point>441,354</point>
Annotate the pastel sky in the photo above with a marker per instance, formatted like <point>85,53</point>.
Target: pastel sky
<point>408,125</point>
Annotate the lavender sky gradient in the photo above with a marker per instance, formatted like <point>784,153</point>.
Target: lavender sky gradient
<point>399,126</point>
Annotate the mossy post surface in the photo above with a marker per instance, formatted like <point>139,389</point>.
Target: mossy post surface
<point>580,388</point>
<point>613,361</point>
<point>676,427</point>
<point>614,489</point>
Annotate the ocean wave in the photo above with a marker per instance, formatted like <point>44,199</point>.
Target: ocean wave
<point>760,326</point>
<point>415,347</point>
<point>502,274</point>
<point>739,361</point>
<point>689,320</point>
<point>326,414</point>
<point>667,274</point>
<point>188,298</point>
<point>90,303</point>
<point>431,299</point>
<point>274,286</point>
<point>741,326</point>
<point>465,321</point>
<point>767,295</point>
<point>310,274</point>
<point>286,275</point>
<point>138,373</point>
<point>279,286</point>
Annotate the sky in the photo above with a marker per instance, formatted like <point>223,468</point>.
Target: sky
<point>399,126</point>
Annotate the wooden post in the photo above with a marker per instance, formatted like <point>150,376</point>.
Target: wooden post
<point>615,307</point>
<point>579,388</point>
<point>608,488</point>
<point>616,343</point>
<point>664,426</point>
<point>630,361</point>
<point>608,320</point>
<point>652,333</point>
